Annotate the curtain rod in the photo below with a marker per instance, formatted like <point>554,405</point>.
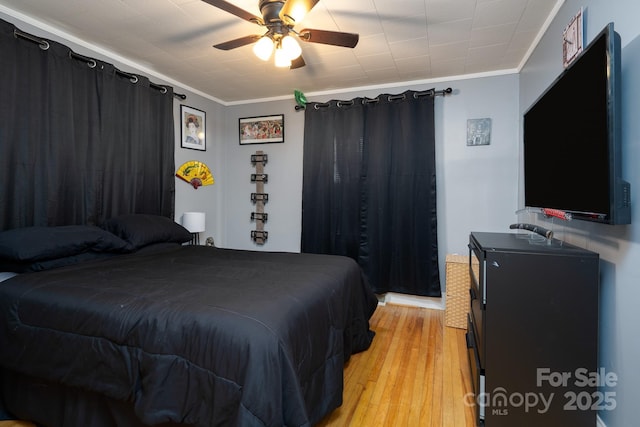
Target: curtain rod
<point>430,92</point>
<point>44,45</point>
<point>443,92</point>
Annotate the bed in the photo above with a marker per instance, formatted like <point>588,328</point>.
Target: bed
<point>129,327</point>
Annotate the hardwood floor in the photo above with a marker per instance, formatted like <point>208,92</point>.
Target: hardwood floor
<point>414,374</point>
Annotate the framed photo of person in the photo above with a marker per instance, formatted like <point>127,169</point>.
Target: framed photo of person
<point>193,125</point>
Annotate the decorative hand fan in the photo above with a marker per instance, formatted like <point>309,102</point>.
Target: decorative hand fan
<point>195,173</point>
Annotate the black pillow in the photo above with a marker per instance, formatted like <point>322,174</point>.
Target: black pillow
<point>45,243</point>
<point>48,264</point>
<point>140,230</point>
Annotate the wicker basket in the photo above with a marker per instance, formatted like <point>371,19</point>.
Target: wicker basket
<point>457,291</point>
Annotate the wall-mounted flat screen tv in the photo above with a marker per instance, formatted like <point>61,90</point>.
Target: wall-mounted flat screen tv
<point>572,141</point>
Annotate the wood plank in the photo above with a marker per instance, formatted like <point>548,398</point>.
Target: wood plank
<point>415,373</point>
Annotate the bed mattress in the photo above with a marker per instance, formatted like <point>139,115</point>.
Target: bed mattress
<point>193,334</point>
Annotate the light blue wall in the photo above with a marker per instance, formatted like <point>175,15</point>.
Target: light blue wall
<point>284,187</point>
<point>618,246</point>
<point>477,186</point>
<point>207,199</point>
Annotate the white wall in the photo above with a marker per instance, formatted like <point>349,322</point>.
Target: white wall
<point>618,246</point>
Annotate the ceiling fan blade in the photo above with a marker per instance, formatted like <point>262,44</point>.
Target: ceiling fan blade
<point>334,38</point>
<point>293,11</point>
<point>297,63</point>
<point>235,10</point>
<point>242,41</point>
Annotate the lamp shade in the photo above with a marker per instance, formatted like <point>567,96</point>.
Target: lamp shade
<point>291,48</point>
<point>281,59</point>
<point>193,221</point>
<point>263,48</point>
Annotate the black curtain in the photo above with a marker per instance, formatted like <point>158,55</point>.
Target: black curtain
<point>369,189</point>
<point>79,141</point>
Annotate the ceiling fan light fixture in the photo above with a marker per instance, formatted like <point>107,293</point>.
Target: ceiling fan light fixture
<point>263,48</point>
<point>282,60</point>
<point>291,48</point>
<point>297,12</point>
<point>279,17</point>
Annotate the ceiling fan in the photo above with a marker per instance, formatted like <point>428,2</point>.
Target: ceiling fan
<point>280,17</point>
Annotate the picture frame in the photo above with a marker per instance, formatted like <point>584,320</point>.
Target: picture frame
<point>261,130</point>
<point>193,125</point>
<point>572,39</point>
<point>478,132</point>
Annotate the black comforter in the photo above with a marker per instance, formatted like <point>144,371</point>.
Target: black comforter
<point>194,334</point>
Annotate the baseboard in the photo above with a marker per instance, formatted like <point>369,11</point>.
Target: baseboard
<point>411,300</point>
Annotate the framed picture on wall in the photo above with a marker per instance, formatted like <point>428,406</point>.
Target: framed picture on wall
<point>572,39</point>
<point>193,125</point>
<point>262,130</point>
<point>478,132</point>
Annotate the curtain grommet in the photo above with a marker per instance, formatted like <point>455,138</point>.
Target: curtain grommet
<point>391,98</point>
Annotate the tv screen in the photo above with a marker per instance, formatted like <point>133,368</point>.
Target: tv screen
<point>572,139</point>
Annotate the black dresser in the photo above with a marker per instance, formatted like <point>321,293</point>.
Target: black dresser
<point>533,331</point>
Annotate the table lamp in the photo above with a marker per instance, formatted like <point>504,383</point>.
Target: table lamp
<point>195,223</point>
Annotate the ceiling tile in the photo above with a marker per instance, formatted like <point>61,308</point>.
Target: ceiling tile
<point>400,40</point>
